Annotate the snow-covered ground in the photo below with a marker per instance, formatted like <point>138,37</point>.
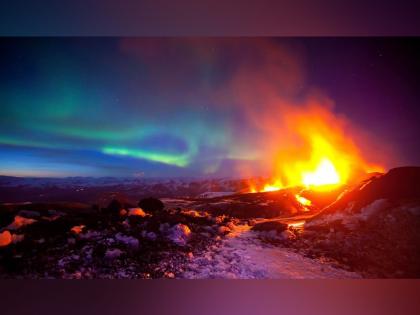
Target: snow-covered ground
<point>213,194</point>
<point>241,255</point>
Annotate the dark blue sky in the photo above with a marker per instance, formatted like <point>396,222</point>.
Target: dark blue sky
<point>190,107</point>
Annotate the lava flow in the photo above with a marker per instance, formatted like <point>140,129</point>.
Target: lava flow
<point>324,176</point>
<point>303,200</point>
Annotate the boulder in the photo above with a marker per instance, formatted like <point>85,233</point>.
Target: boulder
<point>151,205</point>
<point>136,212</point>
<point>179,234</point>
<point>114,207</point>
<point>129,241</point>
<point>112,254</point>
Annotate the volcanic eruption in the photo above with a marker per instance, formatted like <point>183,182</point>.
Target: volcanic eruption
<point>319,154</point>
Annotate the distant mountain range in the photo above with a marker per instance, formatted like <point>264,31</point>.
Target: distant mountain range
<point>95,190</point>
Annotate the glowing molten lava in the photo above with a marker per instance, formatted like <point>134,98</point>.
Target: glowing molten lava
<point>5,238</point>
<point>303,200</point>
<point>324,174</point>
<point>313,149</point>
<point>272,187</point>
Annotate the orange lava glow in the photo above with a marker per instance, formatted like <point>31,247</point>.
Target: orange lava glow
<point>77,229</point>
<point>315,151</point>
<point>297,225</point>
<point>136,212</point>
<point>277,185</point>
<point>5,238</point>
<point>324,175</point>
<point>303,200</point>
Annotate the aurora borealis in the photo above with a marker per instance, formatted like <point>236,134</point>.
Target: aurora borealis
<point>180,107</point>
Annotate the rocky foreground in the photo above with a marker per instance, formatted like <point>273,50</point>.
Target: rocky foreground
<point>373,228</point>
<point>368,230</point>
<point>113,243</point>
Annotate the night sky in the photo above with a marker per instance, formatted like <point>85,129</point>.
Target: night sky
<point>190,106</point>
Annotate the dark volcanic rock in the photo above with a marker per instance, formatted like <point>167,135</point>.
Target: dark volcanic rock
<point>151,205</point>
<point>374,228</point>
<point>397,185</point>
<point>29,214</point>
<point>106,246</point>
<point>253,205</point>
<point>270,226</point>
<point>114,207</point>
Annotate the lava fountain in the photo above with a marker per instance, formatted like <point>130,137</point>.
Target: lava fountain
<point>318,153</point>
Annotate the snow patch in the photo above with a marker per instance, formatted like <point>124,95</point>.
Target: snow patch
<point>179,234</point>
<point>371,209</point>
<point>241,255</point>
<point>150,235</point>
<point>129,241</point>
<point>112,254</point>
<point>349,217</point>
<point>213,194</point>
